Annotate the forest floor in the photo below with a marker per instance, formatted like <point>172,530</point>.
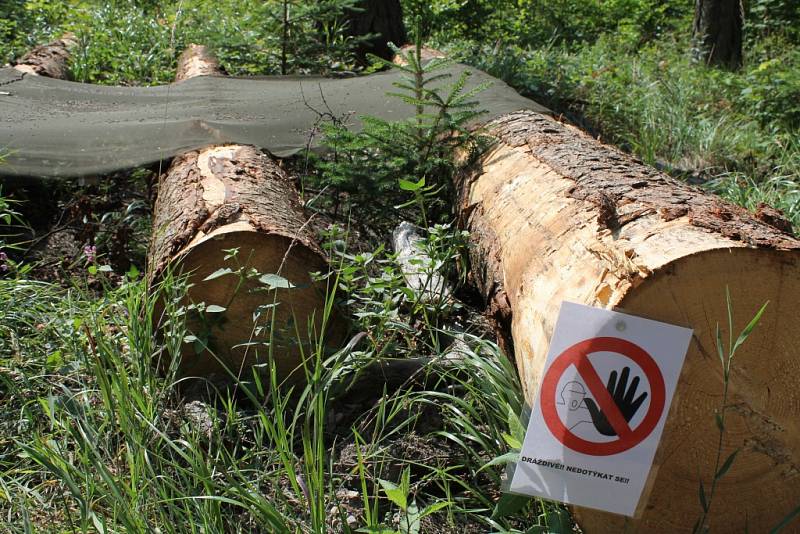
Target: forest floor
<point>92,437</point>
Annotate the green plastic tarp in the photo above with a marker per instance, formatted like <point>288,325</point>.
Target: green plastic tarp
<point>53,128</point>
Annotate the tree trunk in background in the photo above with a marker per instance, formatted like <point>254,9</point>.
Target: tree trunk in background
<point>228,197</point>
<point>556,216</point>
<point>50,59</point>
<point>717,32</point>
<point>381,17</point>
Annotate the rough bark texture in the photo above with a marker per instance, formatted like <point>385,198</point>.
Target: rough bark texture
<point>384,18</point>
<point>207,190</point>
<point>49,59</point>
<point>235,197</point>
<point>555,215</point>
<point>717,32</point>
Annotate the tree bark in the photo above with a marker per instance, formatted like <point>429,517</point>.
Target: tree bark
<point>384,18</point>
<point>50,59</point>
<point>556,216</point>
<point>228,197</point>
<point>717,32</point>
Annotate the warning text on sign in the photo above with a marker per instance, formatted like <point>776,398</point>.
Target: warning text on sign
<point>574,469</point>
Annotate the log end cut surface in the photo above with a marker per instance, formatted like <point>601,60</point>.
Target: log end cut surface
<point>763,418</point>
<point>258,320</point>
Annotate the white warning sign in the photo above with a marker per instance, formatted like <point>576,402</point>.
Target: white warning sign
<point>601,408</point>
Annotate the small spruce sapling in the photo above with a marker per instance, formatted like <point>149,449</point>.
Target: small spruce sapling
<point>389,159</point>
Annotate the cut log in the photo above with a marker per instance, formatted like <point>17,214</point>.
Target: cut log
<point>197,60</point>
<point>50,59</point>
<point>556,216</point>
<point>227,197</point>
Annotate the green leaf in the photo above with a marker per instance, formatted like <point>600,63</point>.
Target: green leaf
<point>55,360</point>
<point>509,504</point>
<point>406,185</point>
<point>515,425</point>
<point>433,508</point>
<point>512,441</point>
<point>133,273</point>
<point>786,520</point>
<point>726,465</point>
<point>411,522</point>
<point>394,493</point>
<point>749,328</point>
<point>217,274</point>
<point>275,281</point>
<point>729,305</point>
<point>405,480</point>
<point>507,458</point>
<point>720,422</point>
<point>558,521</point>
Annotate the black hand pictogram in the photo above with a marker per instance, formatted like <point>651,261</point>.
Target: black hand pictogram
<point>623,399</point>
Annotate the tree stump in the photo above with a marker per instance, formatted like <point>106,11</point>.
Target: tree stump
<point>555,215</point>
<point>220,198</point>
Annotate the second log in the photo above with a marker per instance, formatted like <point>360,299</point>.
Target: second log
<point>231,209</point>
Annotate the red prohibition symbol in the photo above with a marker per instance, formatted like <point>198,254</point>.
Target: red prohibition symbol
<point>578,355</point>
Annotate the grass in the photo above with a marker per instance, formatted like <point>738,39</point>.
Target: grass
<point>94,439</point>
<point>726,355</point>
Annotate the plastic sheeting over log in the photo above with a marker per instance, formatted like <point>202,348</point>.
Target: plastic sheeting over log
<point>55,128</point>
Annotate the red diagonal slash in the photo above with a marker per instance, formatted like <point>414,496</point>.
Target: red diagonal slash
<point>578,355</point>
